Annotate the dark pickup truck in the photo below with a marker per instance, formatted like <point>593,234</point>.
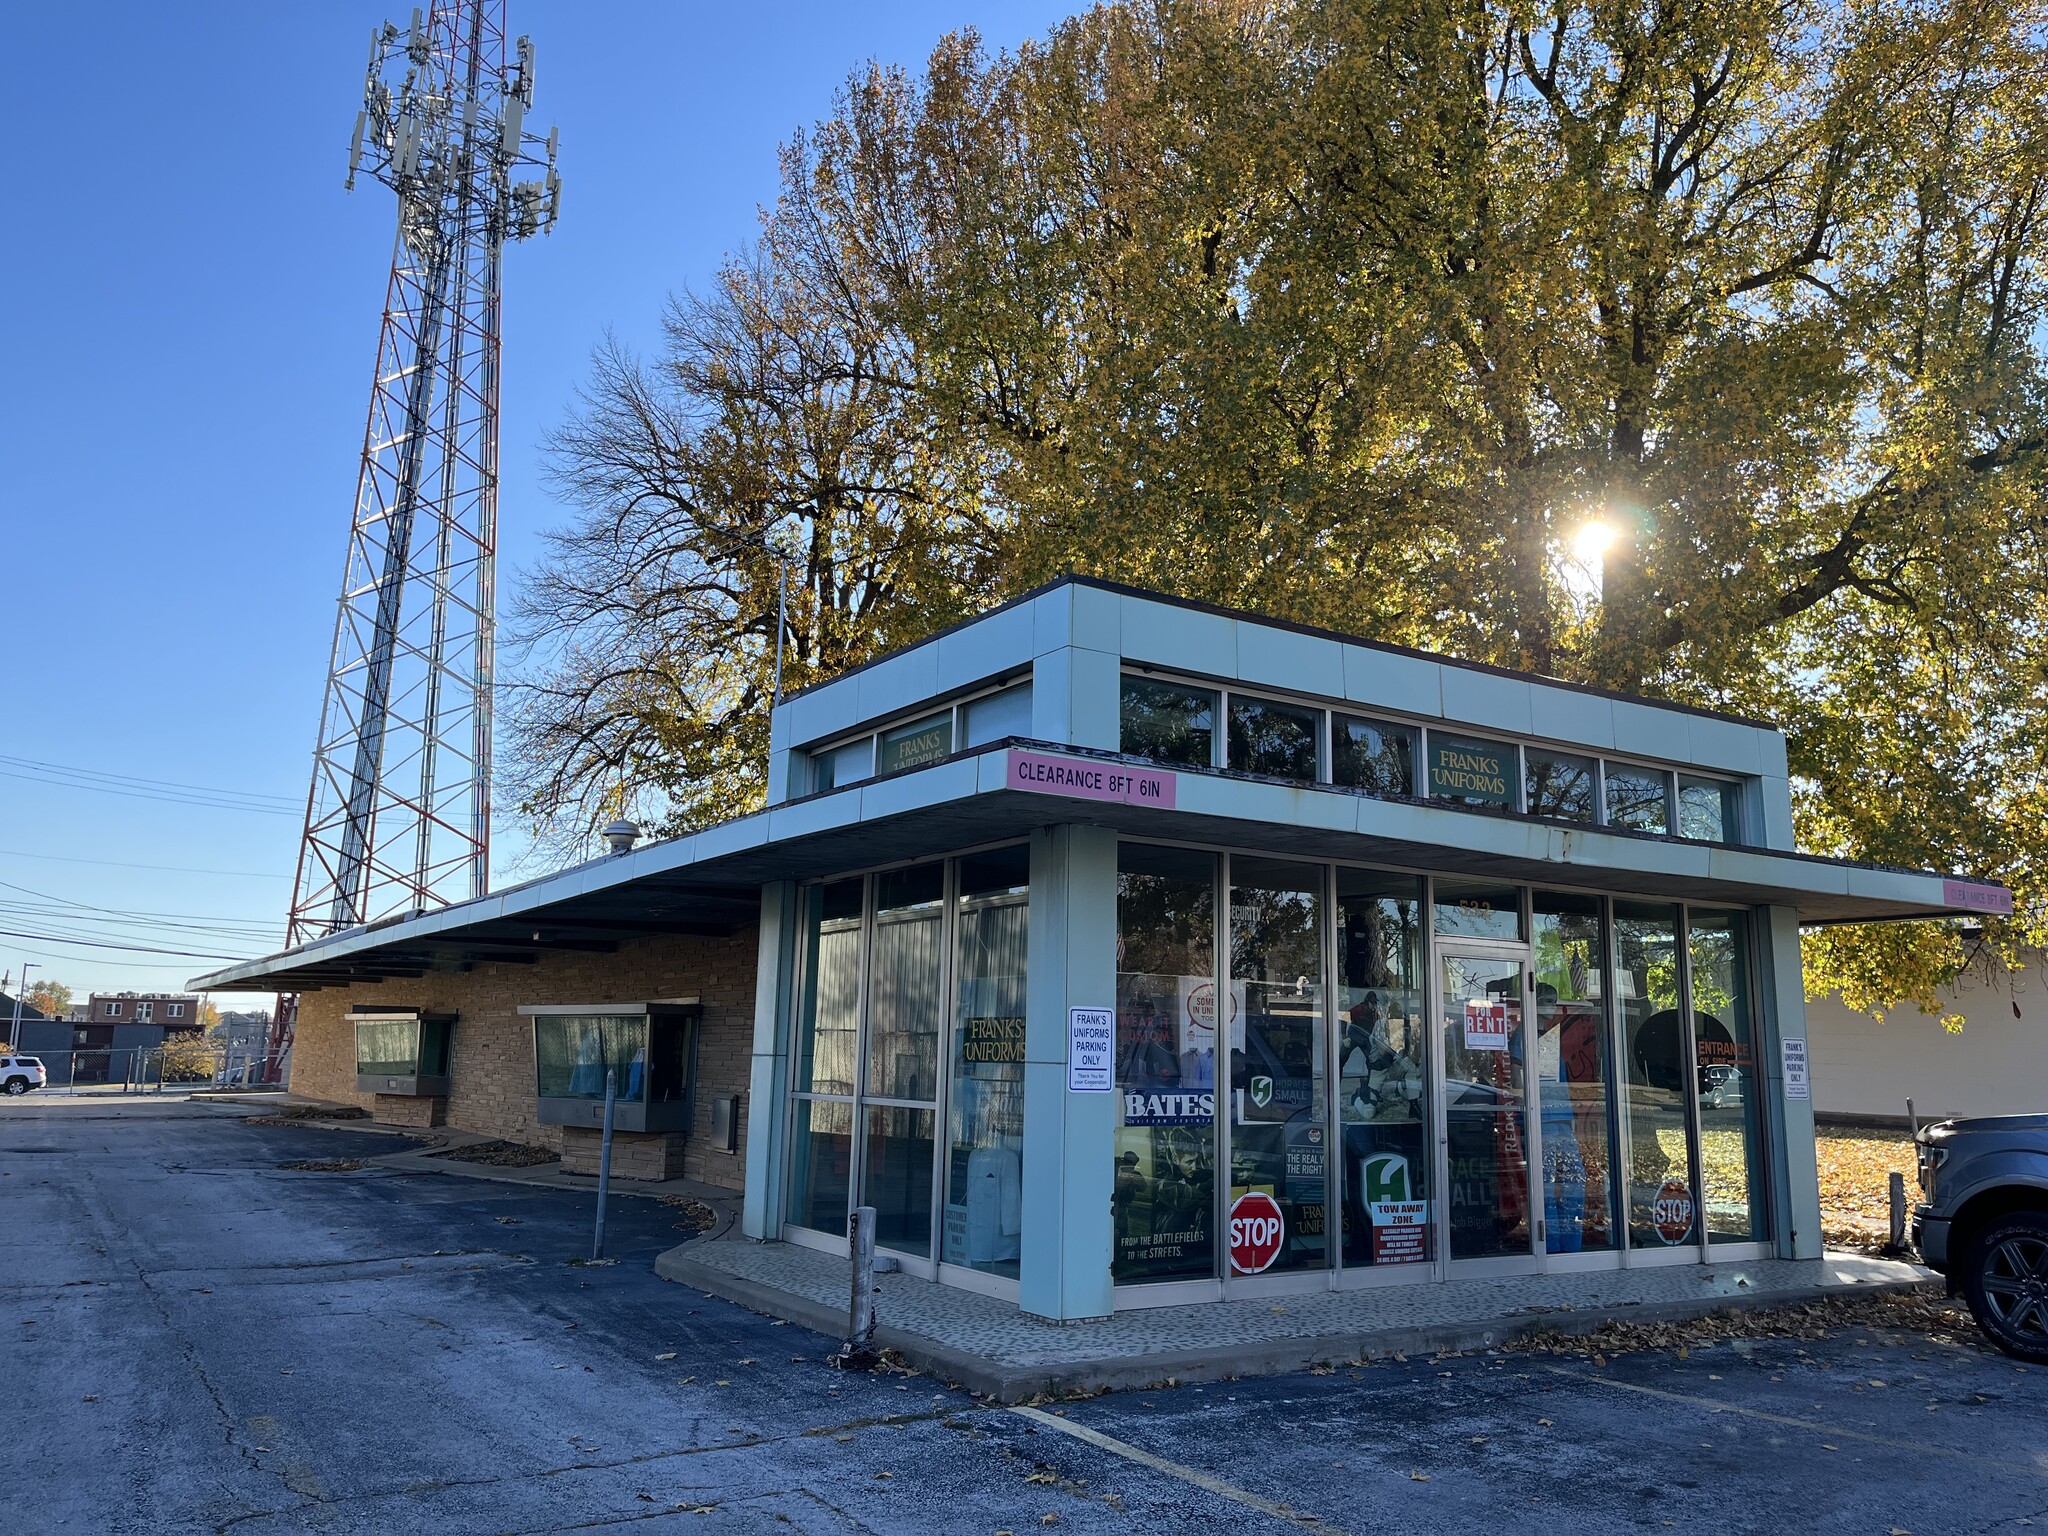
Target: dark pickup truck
<point>1983,1222</point>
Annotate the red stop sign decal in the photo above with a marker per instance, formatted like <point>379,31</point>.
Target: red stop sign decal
<point>1257,1231</point>
<point>1671,1211</point>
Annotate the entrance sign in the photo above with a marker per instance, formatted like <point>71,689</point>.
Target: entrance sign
<point>1080,779</point>
<point>1091,1050</point>
<point>1671,1211</point>
<point>1486,1025</point>
<point>1793,1054</point>
<point>1257,1232</point>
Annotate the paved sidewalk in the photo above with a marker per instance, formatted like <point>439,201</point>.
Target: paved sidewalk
<point>992,1348</point>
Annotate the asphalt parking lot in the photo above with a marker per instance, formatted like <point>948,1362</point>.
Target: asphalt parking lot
<point>204,1341</point>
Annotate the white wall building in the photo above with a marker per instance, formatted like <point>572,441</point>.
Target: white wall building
<point>1996,1065</point>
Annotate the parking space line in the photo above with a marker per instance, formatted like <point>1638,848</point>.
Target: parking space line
<point>1186,1474</point>
<point>1836,1431</point>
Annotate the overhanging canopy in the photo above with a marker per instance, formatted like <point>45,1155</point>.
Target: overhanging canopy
<point>709,882</point>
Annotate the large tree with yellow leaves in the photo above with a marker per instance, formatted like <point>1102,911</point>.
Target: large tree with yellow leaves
<point>1690,349</point>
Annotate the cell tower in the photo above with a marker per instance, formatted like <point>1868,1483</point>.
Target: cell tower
<point>399,814</point>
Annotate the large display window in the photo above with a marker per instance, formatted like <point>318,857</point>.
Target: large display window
<point>1383,1099</point>
<point>1164,1196</point>
<point>1724,1056</point>
<point>907,1069</point>
<point>1662,1184</point>
<point>985,1117</point>
<point>1573,1072</point>
<point>1279,1131</point>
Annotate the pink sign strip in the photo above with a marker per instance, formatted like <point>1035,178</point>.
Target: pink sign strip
<point>1976,898</point>
<point>1043,774</point>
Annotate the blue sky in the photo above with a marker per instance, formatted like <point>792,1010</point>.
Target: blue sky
<point>190,325</point>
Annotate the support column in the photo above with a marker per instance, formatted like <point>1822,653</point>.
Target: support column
<point>767,1122</point>
<point>1795,1179</point>
<point>1069,1138</point>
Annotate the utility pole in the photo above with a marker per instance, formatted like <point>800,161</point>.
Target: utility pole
<point>14,1032</point>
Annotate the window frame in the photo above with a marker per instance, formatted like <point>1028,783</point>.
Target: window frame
<point>954,707</point>
<point>860,1100</point>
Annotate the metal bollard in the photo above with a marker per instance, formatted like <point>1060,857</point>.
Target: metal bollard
<point>1898,1194</point>
<point>604,1159</point>
<point>859,1353</point>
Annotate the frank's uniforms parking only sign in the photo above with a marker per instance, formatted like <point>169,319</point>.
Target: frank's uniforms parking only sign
<point>1257,1229</point>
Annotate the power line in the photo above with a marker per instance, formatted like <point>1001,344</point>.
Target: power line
<point>133,949</point>
<point>101,927</point>
<point>169,869</point>
<point>179,918</point>
<point>141,794</point>
<point>148,783</point>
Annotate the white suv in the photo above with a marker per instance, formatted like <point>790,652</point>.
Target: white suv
<point>18,1074</point>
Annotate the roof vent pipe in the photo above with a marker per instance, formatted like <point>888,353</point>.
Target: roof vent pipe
<point>622,835</point>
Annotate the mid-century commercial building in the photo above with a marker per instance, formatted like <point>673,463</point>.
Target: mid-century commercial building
<point>1121,950</point>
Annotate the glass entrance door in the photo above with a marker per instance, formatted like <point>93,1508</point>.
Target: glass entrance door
<point>1491,1211</point>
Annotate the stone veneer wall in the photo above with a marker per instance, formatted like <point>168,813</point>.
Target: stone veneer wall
<point>491,1065</point>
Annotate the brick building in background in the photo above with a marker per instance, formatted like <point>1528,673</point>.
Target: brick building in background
<point>98,1041</point>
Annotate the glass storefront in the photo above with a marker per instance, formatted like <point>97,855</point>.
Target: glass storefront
<point>904,974</point>
<point>985,1114</point>
<point>1279,1148</point>
<point>1164,1195</point>
<point>1659,1145</point>
<point>1573,1072</point>
<point>1731,1129</point>
<point>1383,1099</point>
<point>1409,1071</point>
<point>1486,1105</point>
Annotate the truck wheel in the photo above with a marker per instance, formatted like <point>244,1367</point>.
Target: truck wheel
<point>2006,1284</point>
<point>17,1086</point>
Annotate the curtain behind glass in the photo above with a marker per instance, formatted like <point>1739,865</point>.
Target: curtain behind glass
<point>985,1149</point>
<point>572,1052</point>
<point>905,970</point>
<point>388,1047</point>
<point>830,1021</point>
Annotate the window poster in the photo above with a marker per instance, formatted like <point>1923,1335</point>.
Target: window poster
<point>1400,1222</point>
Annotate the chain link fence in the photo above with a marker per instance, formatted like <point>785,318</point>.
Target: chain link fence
<point>177,1066</point>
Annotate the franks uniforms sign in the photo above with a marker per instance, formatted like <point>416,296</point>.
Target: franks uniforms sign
<point>1043,774</point>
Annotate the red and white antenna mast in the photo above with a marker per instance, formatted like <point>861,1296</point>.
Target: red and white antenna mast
<point>398,818</point>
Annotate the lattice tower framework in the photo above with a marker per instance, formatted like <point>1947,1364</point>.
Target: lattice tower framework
<point>398,815</point>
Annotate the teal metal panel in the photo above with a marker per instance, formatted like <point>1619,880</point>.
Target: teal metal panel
<point>1795,1178</point>
<point>1069,1138</point>
<point>768,1080</point>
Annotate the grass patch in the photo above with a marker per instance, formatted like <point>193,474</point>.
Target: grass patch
<point>1855,1166</point>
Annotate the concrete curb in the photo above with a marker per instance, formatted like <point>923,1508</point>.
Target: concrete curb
<point>1015,1383</point>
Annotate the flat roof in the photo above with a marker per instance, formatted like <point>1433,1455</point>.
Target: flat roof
<point>1251,616</point>
<point>708,882</point>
